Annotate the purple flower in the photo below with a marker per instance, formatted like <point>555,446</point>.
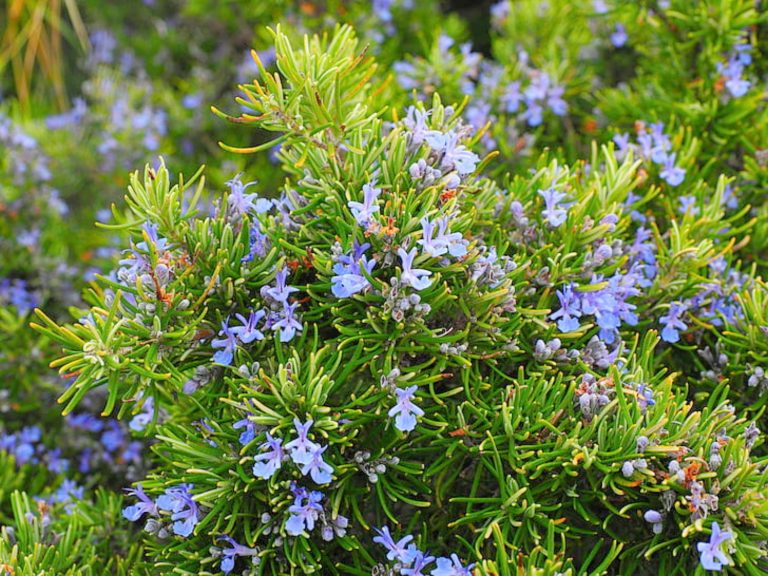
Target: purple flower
<point>247,435</point>
<point>416,278</point>
<point>622,146</point>
<point>227,343</point>
<point>500,12</point>
<point>512,97</point>
<point>183,508</point>
<point>304,511</point>
<point>72,117</point>
<point>281,291</point>
<point>145,505</point>
<point>452,243</point>
<point>67,493</point>
<point>451,567</point>
<point>553,212</point>
<point>534,113</point>
<point>241,203</point>
<point>661,144</point>
<point>55,462</point>
<point>287,324</point>
<point>645,397</point>
<point>349,278</point>
<point>395,550</point>
<point>301,448</point>
<point>258,242</point>
<point>405,411</point>
<point>570,310</point>
<point>268,463</point>
<point>619,36</point>
<point>555,101</point>
<point>113,438</point>
<point>732,71</point>
<point>363,212</point>
<point>416,122</point>
<point>248,332</point>
<point>418,563</point>
<point>688,204</point>
<point>141,420</point>
<point>455,156</point>
<point>671,173</point>
<point>230,554</point>
<point>710,554</point>
<point>316,467</point>
<point>16,293</point>
<point>672,322</point>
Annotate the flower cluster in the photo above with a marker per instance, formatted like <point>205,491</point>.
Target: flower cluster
<point>279,316</point>
<point>306,454</point>
<point>410,561</point>
<point>653,146</point>
<point>605,300</point>
<point>175,511</point>
<point>733,71</point>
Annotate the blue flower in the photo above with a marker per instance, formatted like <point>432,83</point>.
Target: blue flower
<point>286,324</point>
<point>363,212</point>
<point>316,467</point>
<point>349,278</point>
<point>416,278</point>
<point>416,122</point>
<point>512,97</point>
<point>141,420</point>
<point>305,511</point>
<point>17,294</point>
<point>183,508</point>
<point>710,554</point>
<point>55,462</point>
<point>645,397</point>
<point>230,554</point>
<point>418,563</point>
<point>671,173</point>
<point>395,550</point>
<point>145,506</point>
<point>672,322</point>
<point>688,205</point>
<point>301,448</point>
<point>619,36</point>
<point>553,212</point>
<point>405,411</point>
<point>248,332</point>
<point>570,310</point>
<point>281,291</point>
<point>454,156</point>
<point>247,435</point>
<point>444,242</point>
<point>732,71</point>
<point>622,145</point>
<point>241,203</point>
<point>268,463</point>
<point>228,344</point>
<point>113,438</point>
<point>555,101</point>
<point>67,493</point>
<point>258,242</point>
<point>451,567</point>
<point>336,527</point>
